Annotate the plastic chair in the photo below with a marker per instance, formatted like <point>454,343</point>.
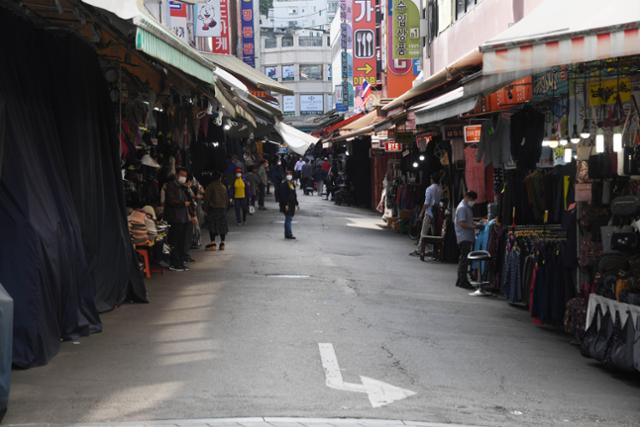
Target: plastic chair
<point>147,265</point>
<point>481,256</point>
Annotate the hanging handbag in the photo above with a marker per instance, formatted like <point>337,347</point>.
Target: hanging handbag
<point>624,242</point>
<point>622,352</point>
<point>603,341</point>
<point>614,341</point>
<point>607,233</point>
<point>591,334</point>
<point>625,206</point>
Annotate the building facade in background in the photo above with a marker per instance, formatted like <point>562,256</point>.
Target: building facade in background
<point>301,61</point>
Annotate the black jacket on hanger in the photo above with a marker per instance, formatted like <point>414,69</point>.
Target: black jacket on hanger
<point>527,132</point>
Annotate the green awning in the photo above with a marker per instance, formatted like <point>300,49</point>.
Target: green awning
<point>154,42</point>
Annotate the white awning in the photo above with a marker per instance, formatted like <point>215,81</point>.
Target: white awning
<point>297,141</point>
<point>451,104</point>
<point>565,32</point>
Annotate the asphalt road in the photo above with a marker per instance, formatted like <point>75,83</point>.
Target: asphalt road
<point>238,335</point>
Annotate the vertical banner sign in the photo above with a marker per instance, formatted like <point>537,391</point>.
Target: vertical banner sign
<point>364,44</point>
<point>221,43</point>
<point>400,72</point>
<point>247,35</point>
<point>346,59</point>
<point>178,19</point>
<point>406,29</point>
<point>208,22</point>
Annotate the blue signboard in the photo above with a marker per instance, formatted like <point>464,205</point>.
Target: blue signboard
<point>247,32</point>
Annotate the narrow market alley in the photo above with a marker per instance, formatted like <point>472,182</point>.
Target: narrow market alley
<point>239,336</point>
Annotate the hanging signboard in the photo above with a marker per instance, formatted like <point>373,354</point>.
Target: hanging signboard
<point>346,58</point>
<point>400,72</point>
<point>208,22</point>
<point>472,134</point>
<point>406,29</point>
<point>364,42</point>
<point>247,32</point>
<point>289,105</point>
<point>178,19</point>
<point>392,147</point>
<point>221,43</point>
<point>453,132</point>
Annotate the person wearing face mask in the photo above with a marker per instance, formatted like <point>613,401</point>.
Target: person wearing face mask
<point>276,175</point>
<point>288,203</point>
<point>216,202</point>
<point>465,235</point>
<point>240,192</point>
<point>176,213</point>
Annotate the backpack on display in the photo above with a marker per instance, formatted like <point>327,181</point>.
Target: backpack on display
<point>622,351</point>
<point>590,336</point>
<point>602,344</point>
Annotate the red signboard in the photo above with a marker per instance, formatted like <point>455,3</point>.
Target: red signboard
<point>392,147</point>
<point>221,44</point>
<point>364,43</point>
<point>177,9</point>
<point>472,133</point>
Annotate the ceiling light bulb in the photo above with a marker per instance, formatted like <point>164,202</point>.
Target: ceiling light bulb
<point>600,143</point>
<point>553,143</point>
<point>617,142</point>
<point>346,152</point>
<point>415,164</point>
<point>568,155</point>
<point>564,141</point>
<point>421,157</point>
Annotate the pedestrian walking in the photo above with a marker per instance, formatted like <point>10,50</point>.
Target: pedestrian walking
<point>216,204</point>
<point>432,197</point>
<point>307,178</point>
<point>465,235</point>
<point>319,176</point>
<point>240,192</point>
<point>264,183</point>
<point>297,169</point>
<point>288,203</point>
<point>254,183</point>
<point>176,213</point>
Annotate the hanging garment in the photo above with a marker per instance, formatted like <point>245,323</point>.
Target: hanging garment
<point>475,174</point>
<point>527,132</point>
<point>495,141</point>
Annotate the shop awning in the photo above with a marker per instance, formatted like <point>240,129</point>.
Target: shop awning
<point>362,124</point>
<point>243,71</point>
<point>470,60</point>
<point>297,141</point>
<point>565,32</point>
<point>157,41</point>
<point>340,124</point>
<point>451,104</point>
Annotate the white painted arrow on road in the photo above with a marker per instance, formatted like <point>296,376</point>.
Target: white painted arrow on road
<point>379,392</point>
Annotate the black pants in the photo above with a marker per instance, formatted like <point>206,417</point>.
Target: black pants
<point>463,264</point>
<point>213,236</point>
<point>261,189</point>
<point>177,239</point>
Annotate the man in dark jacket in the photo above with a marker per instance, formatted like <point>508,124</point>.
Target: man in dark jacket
<point>176,213</point>
<point>288,203</point>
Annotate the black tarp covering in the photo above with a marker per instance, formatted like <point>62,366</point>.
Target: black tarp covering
<point>6,339</point>
<point>64,248</point>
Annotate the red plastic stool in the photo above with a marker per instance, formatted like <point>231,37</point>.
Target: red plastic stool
<point>145,256</point>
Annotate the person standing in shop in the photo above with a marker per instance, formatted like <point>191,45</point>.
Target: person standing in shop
<point>264,182</point>
<point>465,235</point>
<point>432,197</point>
<point>216,203</point>
<point>176,213</point>
<point>240,193</point>
<point>277,176</point>
<point>288,204</point>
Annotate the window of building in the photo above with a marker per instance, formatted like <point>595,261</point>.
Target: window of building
<point>311,104</point>
<point>288,72</point>
<point>287,41</point>
<point>270,42</point>
<point>310,41</point>
<point>272,71</point>
<point>464,6</point>
<point>310,72</point>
